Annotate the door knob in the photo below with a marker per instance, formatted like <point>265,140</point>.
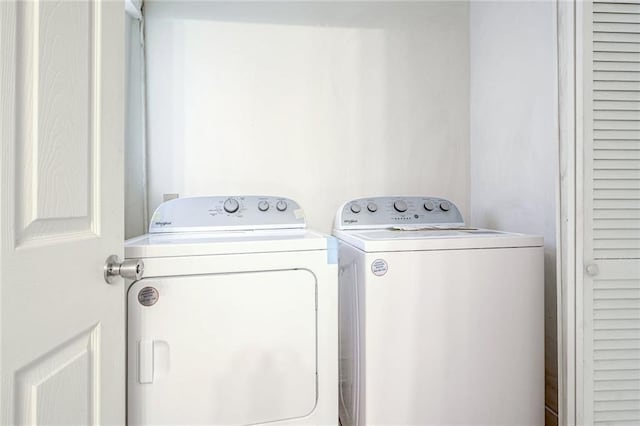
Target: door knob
<point>592,269</point>
<point>131,269</point>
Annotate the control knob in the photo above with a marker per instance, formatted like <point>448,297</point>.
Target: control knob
<point>281,205</point>
<point>372,207</point>
<point>445,206</point>
<point>263,206</point>
<point>231,205</point>
<point>429,206</point>
<point>355,208</point>
<point>400,206</point>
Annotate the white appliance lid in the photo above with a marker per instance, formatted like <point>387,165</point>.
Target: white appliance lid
<point>397,240</point>
<point>385,240</point>
<point>225,242</point>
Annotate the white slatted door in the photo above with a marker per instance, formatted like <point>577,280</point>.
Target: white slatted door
<point>61,212</point>
<point>610,341</point>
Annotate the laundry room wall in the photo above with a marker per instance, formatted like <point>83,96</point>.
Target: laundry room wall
<point>318,101</point>
<point>134,153</point>
<point>514,137</point>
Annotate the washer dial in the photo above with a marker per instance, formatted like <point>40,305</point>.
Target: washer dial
<point>372,207</point>
<point>400,206</point>
<point>281,205</point>
<point>263,206</point>
<point>355,208</point>
<point>445,206</point>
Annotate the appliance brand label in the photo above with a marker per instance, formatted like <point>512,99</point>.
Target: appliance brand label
<point>379,267</point>
<point>148,296</point>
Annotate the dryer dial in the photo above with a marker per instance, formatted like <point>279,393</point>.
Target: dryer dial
<point>231,205</point>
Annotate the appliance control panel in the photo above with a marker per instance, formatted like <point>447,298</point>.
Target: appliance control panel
<point>243,212</point>
<point>389,212</point>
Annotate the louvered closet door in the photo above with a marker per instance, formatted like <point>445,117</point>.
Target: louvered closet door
<point>611,170</point>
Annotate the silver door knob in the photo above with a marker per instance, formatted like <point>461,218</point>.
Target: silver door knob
<point>131,269</point>
<point>592,270</point>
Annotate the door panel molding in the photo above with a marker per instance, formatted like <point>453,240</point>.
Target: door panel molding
<point>53,200</point>
<point>73,362</point>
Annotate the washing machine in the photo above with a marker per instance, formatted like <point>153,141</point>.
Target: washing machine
<point>234,321</point>
<point>440,323</point>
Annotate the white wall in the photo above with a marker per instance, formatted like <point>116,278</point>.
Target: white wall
<point>133,190</point>
<point>318,101</point>
<point>514,136</point>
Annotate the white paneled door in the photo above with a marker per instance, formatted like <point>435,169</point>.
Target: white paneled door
<point>609,345</point>
<point>61,212</point>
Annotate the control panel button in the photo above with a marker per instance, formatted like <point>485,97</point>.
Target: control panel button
<point>263,206</point>
<point>429,206</point>
<point>445,206</point>
<point>355,208</point>
<point>372,207</point>
<point>400,206</point>
<point>231,205</point>
<point>281,205</point>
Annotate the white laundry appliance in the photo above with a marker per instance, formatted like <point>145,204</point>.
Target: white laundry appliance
<point>440,324</point>
<point>234,321</point>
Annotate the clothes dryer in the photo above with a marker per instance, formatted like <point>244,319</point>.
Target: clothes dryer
<point>234,321</point>
<point>440,323</point>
